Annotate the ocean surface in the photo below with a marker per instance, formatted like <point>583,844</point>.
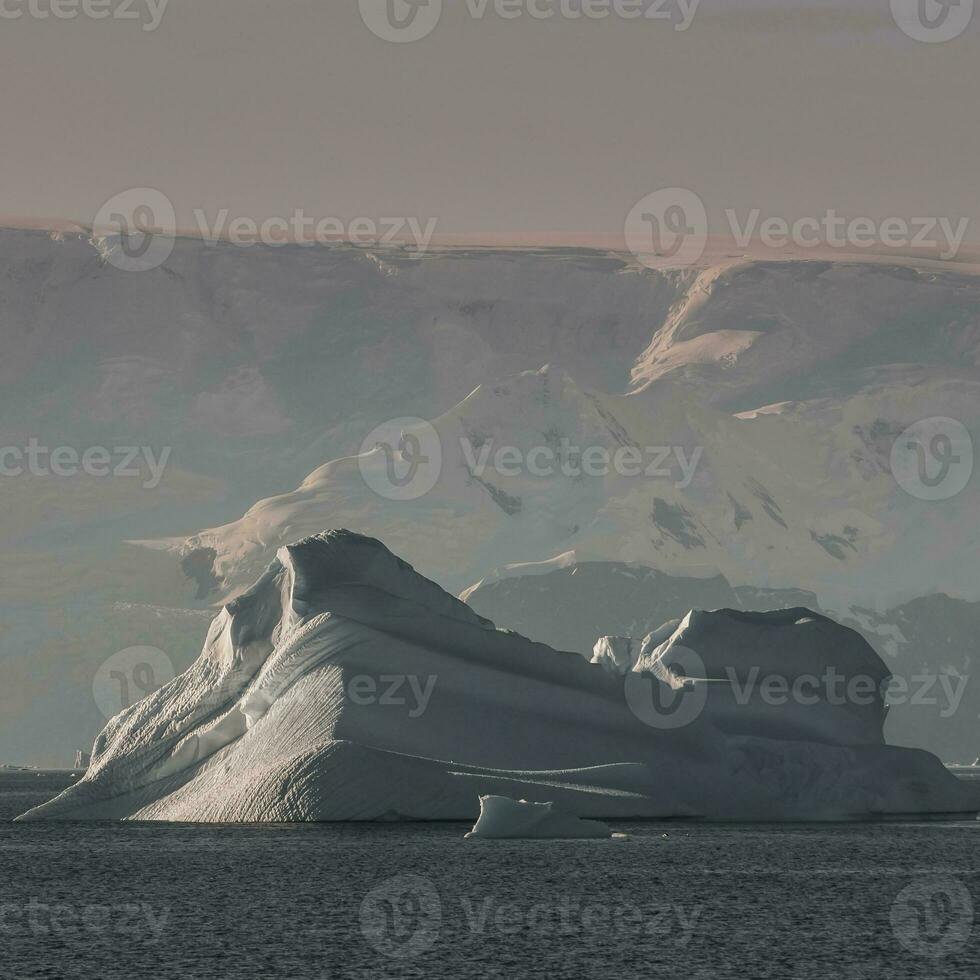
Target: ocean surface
<point>677,900</point>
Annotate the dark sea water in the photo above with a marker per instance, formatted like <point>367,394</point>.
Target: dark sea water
<point>708,902</point>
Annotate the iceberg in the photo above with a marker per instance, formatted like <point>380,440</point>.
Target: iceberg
<point>345,686</point>
<point>505,819</point>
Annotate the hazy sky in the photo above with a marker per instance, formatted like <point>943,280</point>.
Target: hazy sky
<point>506,126</point>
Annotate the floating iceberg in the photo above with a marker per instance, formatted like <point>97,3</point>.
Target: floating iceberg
<point>502,818</point>
<point>345,686</point>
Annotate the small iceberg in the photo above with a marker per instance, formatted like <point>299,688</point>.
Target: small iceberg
<point>502,818</point>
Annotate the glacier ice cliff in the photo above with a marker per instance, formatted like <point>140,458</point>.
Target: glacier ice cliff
<point>345,686</point>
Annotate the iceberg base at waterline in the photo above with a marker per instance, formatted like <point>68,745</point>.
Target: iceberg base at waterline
<point>344,686</point>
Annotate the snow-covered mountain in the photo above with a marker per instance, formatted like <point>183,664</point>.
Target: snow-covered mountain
<point>804,497</point>
<point>756,334</point>
<point>253,366</point>
<point>779,389</point>
<point>344,686</point>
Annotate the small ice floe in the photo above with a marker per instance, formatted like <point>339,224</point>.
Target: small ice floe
<point>503,818</point>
